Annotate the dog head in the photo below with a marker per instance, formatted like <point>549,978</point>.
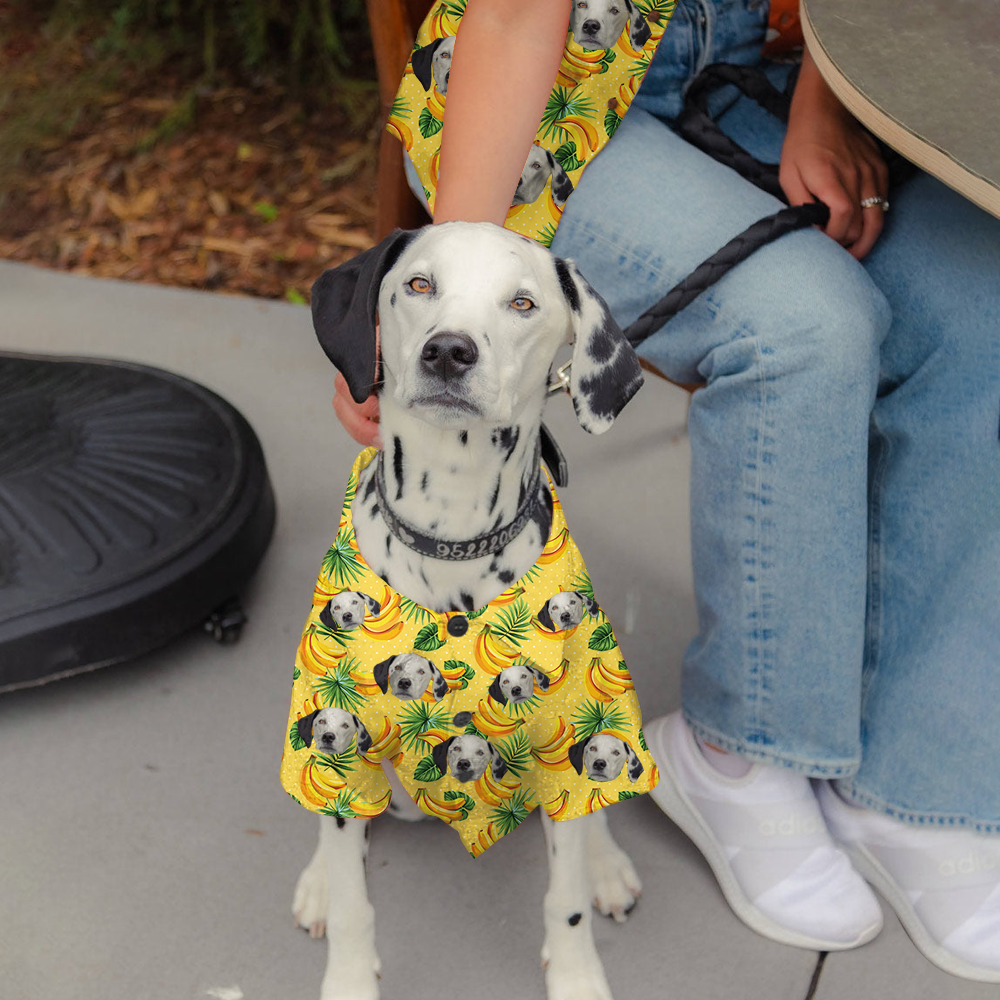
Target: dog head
<point>332,729</point>
<point>516,684</point>
<point>346,611</point>
<point>598,24</point>
<point>471,317</point>
<point>433,62</point>
<point>604,756</point>
<point>566,610</point>
<point>409,676</point>
<point>538,168</point>
<point>467,757</point>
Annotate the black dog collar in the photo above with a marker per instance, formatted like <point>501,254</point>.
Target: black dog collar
<point>473,548</point>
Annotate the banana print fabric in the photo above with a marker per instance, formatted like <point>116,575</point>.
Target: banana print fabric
<point>526,702</point>
<point>609,46</point>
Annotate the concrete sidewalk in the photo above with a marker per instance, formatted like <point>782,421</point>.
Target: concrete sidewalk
<point>148,849</point>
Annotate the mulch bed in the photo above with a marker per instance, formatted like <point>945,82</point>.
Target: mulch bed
<point>256,196</point>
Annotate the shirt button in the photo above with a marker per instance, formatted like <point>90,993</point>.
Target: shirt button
<point>458,625</point>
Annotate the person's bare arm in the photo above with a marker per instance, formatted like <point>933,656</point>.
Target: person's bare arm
<point>827,156</point>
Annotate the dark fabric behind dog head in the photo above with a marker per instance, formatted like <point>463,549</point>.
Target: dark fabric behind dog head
<point>344,304</point>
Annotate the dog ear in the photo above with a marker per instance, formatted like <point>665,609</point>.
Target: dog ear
<point>541,678</point>
<point>638,30</point>
<point>576,754</point>
<point>440,755</point>
<point>363,737</point>
<point>380,672</point>
<point>344,303</point>
<point>440,688</point>
<point>545,617</point>
<point>635,767</point>
<point>497,764</point>
<point>423,63</point>
<point>326,617</point>
<point>562,186</point>
<point>373,606</point>
<point>305,727</point>
<point>605,373</point>
<point>496,692</point>
<point>589,603</point>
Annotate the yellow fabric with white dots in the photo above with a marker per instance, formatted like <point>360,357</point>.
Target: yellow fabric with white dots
<point>582,690</point>
<point>591,93</point>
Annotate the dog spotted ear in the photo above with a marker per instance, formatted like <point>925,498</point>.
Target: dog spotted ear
<point>605,373</point>
<point>639,31</point>
<point>344,303</point>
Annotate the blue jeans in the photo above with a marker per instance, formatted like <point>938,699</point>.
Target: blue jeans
<point>845,490</point>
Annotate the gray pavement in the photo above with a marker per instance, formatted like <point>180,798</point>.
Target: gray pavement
<point>146,845</point>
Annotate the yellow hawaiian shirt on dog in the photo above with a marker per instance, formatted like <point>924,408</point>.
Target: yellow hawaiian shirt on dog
<point>609,46</point>
<point>485,715</point>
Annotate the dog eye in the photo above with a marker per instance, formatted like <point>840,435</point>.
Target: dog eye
<point>617,753</point>
<point>522,304</point>
<point>420,285</point>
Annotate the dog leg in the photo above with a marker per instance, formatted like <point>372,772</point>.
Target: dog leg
<point>573,969</point>
<point>335,880</point>
<point>613,879</point>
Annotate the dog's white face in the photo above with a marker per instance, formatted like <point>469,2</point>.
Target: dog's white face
<point>537,170</point>
<point>517,683</point>
<point>409,676</point>
<point>598,24</point>
<point>441,63</point>
<point>333,729</point>
<point>468,757</point>
<point>348,609</point>
<point>566,609</point>
<point>604,757</point>
<point>468,337</point>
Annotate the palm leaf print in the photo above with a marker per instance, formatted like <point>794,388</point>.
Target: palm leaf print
<point>657,11</point>
<point>414,611</point>
<point>340,763</point>
<point>416,718</point>
<point>337,635</point>
<point>545,237</point>
<point>512,812</point>
<point>582,583</point>
<point>513,623</point>
<point>455,8</point>
<point>400,109</point>
<point>642,740</point>
<point>341,563</point>
<point>516,752</point>
<point>562,103</point>
<point>594,716</point>
<point>341,806</point>
<point>339,689</point>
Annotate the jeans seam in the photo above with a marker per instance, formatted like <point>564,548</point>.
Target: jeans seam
<point>873,617</point>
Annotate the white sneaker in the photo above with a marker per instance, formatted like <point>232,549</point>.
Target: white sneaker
<point>765,839</point>
<point>944,884</point>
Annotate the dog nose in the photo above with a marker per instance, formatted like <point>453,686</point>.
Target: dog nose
<point>599,765</point>
<point>516,692</point>
<point>347,616</point>
<point>591,27</point>
<point>463,765</point>
<point>403,684</point>
<point>449,355</point>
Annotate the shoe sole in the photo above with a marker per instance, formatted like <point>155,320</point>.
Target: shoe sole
<point>669,796</point>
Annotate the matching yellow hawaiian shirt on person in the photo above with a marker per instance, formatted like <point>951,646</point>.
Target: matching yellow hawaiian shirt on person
<point>609,46</point>
<point>485,715</point>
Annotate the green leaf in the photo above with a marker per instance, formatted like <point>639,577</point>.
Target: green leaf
<point>294,739</point>
<point>642,740</point>
<point>416,718</point>
<point>566,154</point>
<point>512,812</point>
<point>603,638</point>
<point>468,803</point>
<point>339,689</point>
<point>622,796</point>
<point>341,806</point>
<point>266,210</point>
<point>611,122</point>
<point>428,124</point>
<point>414,611</point>
<point>427,638</point>
<point>341,563</point>
<point>427,770</point>
<point>594,716</point>
<point>294,296</point>
<point>341,763</point>
<point>513,622</point>
<point>516,751</point>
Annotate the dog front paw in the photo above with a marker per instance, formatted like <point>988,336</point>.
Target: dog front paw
<point>350,984</point>
<point>614,881</point>
<point>311,898</point>
<point>579,980</point>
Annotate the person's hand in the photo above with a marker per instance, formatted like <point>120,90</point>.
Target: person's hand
<point>360,420</point>
<point>827,156</point>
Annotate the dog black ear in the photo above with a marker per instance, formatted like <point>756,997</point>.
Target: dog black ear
<point>344,303</point>
<point>497,764</point>
<point>423,63</point>
<point>545,617</point>
<point>440,688</point>
<point>638,30</point>
<point>576,754</point>
<point>440,755</point>
<point>605,372</point>
<point>635,767</point>
<point>380,672</point>
<point>541,678</point>
<point>305,727</point>
<point>496,692</point>
<point>326,617</point>
<point>562,186</point>
<point>373,606</point>
<point>363,737</point>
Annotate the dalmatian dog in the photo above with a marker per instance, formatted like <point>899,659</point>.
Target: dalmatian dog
<point>346,611</point>
<point>467,758</point>
<point>566,610</point>
<point>598,24</point>
<point>433,63</point>
<point>538,168</point>
<point>516,684</point>
<point>604,756</point>
<point>410,675</point>
<point>470,319</point>
<point>332,729</point>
